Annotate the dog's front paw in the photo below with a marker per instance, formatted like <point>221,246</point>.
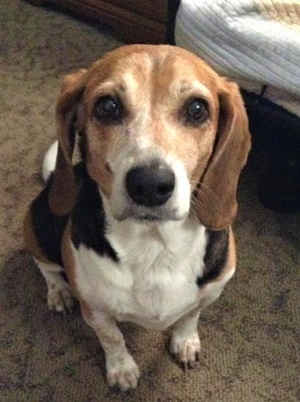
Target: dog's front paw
<point>59,297</point>
<point>123,372</point>
<point>186,349</point>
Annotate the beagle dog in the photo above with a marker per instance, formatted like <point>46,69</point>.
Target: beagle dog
<point>139,230</point>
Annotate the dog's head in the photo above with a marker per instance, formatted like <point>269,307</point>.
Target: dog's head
<point>162,135</point>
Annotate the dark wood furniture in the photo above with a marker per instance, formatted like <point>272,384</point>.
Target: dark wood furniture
<point>135,21</point>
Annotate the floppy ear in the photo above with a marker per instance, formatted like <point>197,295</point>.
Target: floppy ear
<point>63,188</point>
<point>218,184</point>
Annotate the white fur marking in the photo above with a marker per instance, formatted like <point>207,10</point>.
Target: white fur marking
<point>154,284</point>
<point>123,371</point>
<point>59,295</point>
<point>49,161</point>
<point>185,342</point>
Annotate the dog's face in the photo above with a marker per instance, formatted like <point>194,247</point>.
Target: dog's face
<point>150,124</point>
<point>162,134</point>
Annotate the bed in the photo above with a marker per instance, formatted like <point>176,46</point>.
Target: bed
<point>257,44</point>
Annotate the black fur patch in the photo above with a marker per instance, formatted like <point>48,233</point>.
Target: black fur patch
<point>83,145</point>
<point>48,228</point>
<point>215,256</point>
<point>88,220</point>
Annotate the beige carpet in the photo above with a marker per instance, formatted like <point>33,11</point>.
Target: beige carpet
<point>249,337</point>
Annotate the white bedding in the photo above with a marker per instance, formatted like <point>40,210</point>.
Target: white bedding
<point>255,42</point>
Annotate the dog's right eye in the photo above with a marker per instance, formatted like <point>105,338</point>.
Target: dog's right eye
<point>108,110</point>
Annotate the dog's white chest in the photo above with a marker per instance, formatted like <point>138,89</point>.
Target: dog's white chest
<point>154,284</point>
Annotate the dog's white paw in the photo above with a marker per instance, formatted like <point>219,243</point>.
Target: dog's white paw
<point>123,372</point>
<point>60,298</point>
<point>186,349</point>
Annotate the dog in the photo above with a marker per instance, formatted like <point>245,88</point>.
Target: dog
<point>140,229</point>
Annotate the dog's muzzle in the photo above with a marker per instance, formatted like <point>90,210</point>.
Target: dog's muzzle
<point>150,185</point>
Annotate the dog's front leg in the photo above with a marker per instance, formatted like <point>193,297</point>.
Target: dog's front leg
<point>185,342</point>
<point>121,369</point>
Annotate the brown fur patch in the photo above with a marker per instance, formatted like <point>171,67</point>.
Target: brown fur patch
<point>68,259</point>
<point>31,241</point>
<point>231,257</point>
<point>86,310</point>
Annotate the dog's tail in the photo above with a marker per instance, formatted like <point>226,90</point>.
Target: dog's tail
<point>49,161</point>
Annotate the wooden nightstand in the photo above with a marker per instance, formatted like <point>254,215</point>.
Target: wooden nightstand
<point>136,21</point>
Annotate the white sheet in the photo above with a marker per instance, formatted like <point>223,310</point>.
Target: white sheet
<point>255,42</point>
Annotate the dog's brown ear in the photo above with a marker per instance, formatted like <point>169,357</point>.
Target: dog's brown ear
<point>63,189</point>
<point>216,193</point>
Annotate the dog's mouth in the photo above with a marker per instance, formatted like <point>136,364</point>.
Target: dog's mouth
<point>150,216</point>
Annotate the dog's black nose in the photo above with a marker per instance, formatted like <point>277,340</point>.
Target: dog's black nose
<point>150,185</point>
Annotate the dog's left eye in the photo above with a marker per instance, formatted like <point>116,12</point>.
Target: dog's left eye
<point>196,110</point>
<point>107,109</point>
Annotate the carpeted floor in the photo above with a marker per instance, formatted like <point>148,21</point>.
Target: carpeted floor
<point>249,337</point>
